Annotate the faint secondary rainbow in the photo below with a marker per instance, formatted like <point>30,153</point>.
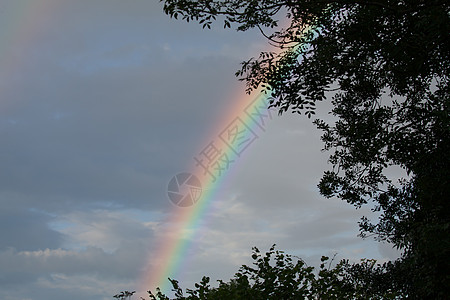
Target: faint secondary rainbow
<point>21,23</point>
<point>183,224</point>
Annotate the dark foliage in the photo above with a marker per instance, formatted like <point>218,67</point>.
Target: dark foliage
<point>277,275</point>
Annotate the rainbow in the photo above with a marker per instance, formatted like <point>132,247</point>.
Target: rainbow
<point>241,128</point>
<point>245,125</point>
<point>21,24</point>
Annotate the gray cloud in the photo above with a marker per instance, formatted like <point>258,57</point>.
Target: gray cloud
<point>25,229</point>
<point>98,110</point>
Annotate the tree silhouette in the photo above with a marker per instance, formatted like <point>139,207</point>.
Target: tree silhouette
<point>277,275</point>
<point>384,66</point>
<point>124,295</point>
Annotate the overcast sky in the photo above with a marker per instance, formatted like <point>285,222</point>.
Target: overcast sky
<point>101,103</point>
